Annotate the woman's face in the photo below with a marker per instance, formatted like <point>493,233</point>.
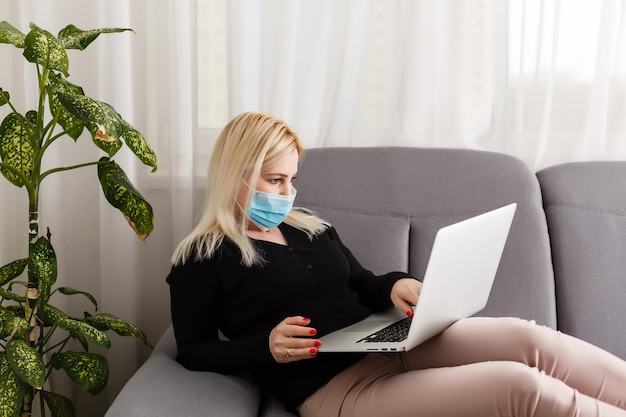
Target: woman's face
<point>277,178</point>
<point>274,179</point>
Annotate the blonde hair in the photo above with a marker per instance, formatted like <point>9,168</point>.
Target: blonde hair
<point>247,143</point>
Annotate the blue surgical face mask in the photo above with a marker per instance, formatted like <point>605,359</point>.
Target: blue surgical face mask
<point>269,210</point>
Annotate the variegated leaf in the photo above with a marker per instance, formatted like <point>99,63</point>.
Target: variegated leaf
<point>16,149</point>
<point>41,47</point>
<point>42,262</point>
<point>72,125</point>
<point>88,370</point>
<point>59,405</point>
<point>8,295</point>
<point>12,270</point>
<point>72,37</point>
<point>8,322</point>
<point>12,390</point>
<point>9,34</point>
<point>78,328</point>
<point>4,316</point>
<point>16,326</point>
<point>140,147</point>
<point>4,97</point>
<point>109,146</point>
<point>77,335</point>
<point>26,362</point>
<point>72,291</point>
<point>106,321</point>
<point>53,316</point>
<point>122,195</point>
<point>106,124</point>
<point>31,116</point>
<point>16,310</point>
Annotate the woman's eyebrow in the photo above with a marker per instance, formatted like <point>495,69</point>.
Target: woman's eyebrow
<point>277,174</point>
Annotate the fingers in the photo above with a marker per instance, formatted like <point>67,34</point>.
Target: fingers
<point>295,327</point>
<point>405,294</point>
<point>291,340</point>
<point>296,354</point>
<point>404,306</point>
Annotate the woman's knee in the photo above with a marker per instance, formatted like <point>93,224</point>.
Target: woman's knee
<point>528,391</point>
<point>481,339</point>
<point>538,345</point>
<point>522,390</point>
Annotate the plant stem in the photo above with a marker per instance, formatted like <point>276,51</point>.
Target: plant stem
<point>6,97</point>
<point>50,129</point>
<point>33,228</point>
<point>39,128</point>
<point>51,348</point>
<point>51,140</point>
<point>60,169</point>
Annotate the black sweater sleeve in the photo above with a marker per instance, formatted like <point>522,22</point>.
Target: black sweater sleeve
<point>196,308</point>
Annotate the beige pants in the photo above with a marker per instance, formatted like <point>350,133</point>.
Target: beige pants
<point>494,367</point>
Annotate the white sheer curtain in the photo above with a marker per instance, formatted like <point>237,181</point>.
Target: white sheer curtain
<point>543,80</point>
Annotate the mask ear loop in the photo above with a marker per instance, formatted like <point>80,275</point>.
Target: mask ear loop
<point>243,211</point>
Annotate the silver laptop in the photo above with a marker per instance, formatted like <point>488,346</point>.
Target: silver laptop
<point>458,279</point>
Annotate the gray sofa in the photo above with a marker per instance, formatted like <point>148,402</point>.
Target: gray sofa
<point>564,264</point>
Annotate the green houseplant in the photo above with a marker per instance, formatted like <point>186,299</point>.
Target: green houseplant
<point>34,334</point>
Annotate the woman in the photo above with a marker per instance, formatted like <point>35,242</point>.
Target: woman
<point>273,278</point>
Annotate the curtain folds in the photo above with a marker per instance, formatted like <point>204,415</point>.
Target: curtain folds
<point>542,80</point>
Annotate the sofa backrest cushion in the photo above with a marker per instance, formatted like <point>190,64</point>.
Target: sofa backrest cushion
<point>585,204</point>
<point>387,204</point>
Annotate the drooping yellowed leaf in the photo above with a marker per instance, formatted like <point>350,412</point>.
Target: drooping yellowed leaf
<point>121,194</point>
<point>140,147</point>
<point>105,124</point>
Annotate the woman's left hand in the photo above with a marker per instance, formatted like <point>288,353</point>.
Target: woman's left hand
<point>405,293</point>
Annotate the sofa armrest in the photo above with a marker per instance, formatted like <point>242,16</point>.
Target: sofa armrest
<point>585,206</point>
<point>162,387</point>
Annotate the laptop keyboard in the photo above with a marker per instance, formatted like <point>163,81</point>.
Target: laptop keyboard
<point>395,332</point>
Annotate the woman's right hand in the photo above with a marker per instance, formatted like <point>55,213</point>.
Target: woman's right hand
<point>291,341</point>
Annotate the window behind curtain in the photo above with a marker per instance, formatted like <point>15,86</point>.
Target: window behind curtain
<point>544,80</point>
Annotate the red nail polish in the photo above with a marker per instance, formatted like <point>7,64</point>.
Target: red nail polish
<point>306,319</point>
<point>313,351</point>
<point>313,331</point>
<point>409,313</point>
<point>317,343</point>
